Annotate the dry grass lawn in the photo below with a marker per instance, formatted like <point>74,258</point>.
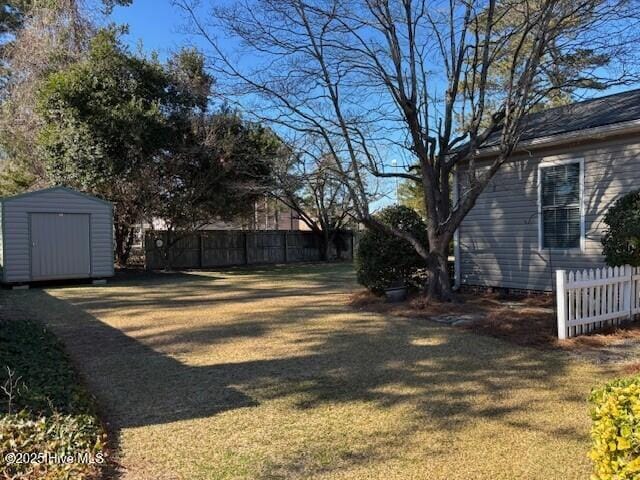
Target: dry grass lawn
<point>273,374</point>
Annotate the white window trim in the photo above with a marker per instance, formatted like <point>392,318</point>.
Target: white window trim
<point>552,163</point>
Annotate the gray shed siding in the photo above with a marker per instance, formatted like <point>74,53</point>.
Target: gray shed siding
<point>16,235</point>
<point>498,241</point>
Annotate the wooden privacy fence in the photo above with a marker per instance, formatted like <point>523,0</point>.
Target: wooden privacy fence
<point>593,299</point>
<point>221,248</point>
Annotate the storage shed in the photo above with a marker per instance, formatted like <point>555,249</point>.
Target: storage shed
<point>55,233</point>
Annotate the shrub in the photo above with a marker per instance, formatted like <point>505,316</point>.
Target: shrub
<point>615,432</point>
<point>55,413</point>
<point>621,241</point>
<point>35,355</point>
<point>384,259</point>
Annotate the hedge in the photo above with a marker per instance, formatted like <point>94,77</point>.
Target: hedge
<point>621,241</point>
<point>383,259</point>
<point>615,432</point>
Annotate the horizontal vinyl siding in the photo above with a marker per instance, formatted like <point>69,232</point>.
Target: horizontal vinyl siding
<point>102,243</point>
<point>16,230</point>
<point>499,237</point>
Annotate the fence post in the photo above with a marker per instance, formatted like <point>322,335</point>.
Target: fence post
<point>246,248</point>
<point>200,249</point>
<point>286,246</point>
<point>148,251</point>
<point>627,290</point>
<point>635,301</point>
<point>561,296</point>
<point>353,246</point>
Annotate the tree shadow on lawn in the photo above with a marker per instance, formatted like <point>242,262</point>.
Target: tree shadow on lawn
<point>178,290</point>
<point>323,272</point>
<point>452,378</point>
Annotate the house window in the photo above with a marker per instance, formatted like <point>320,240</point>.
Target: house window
<point>560,205</point>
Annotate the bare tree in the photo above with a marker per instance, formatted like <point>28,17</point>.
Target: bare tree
<point>308,184</point>
<point>51,37</point>
<point>374,78</point>
<point>37,37</point>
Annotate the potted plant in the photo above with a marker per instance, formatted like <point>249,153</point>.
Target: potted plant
<point>397,291</point>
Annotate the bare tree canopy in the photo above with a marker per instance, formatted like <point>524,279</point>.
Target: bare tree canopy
<point>50,38</point>
<point>309,185</point>
<point>428,81</point>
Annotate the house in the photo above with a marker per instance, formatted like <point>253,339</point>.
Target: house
<point>544,209</point>
<point>268,214</point>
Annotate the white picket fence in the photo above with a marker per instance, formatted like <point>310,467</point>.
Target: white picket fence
<point>598,298</point>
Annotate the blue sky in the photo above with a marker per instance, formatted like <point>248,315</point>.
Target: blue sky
<point>155,23</point>
<point>157,26</point>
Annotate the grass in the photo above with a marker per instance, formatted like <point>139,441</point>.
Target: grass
<point>273,374</point>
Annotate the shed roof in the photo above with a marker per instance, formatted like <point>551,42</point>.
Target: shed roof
<point>51,189</point>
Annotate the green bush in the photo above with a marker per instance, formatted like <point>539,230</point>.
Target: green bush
<point>55,414</point>
<point>621,241</point>
<point>383,259</point>
<point>615,432</point>
<point>35,355</point>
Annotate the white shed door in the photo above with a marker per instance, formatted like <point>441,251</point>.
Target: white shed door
<point>60,246</point>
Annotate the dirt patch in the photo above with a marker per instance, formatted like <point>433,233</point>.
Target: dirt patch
<point>619,345</point>
<point>631,368</point>
<point>524,320</point>
<point>522,325</point>
<point>417,306</point>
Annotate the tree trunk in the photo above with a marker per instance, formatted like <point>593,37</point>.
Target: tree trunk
<point>338,241</point>
<point>167,251</point>
<point>324,245</point>
<point>124,235</point>
<point>438,285</point>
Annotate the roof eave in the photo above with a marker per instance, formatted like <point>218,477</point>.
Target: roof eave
<point>595,133</point>
<point>50,189</point>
